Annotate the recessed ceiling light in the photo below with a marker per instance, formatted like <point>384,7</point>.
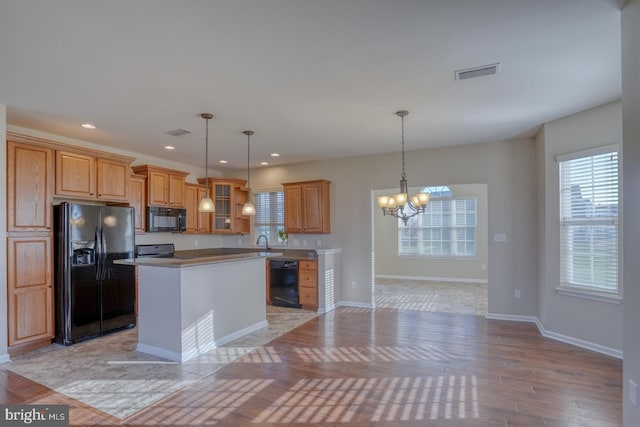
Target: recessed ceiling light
<point>275,154</point>
<point>264,163</point>
<point>169,147</point>
<point>88,126</point>
<point>224,162</point>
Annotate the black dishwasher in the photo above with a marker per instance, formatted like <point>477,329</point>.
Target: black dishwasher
<point>283,282</point>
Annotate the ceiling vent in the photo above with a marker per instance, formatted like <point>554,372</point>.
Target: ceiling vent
<point>179,132</point>
<point>471,73</point>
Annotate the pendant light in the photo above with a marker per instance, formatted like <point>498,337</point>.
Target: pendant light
<point>398,205</point>
<point>248,208</point>
<point>206,204</point>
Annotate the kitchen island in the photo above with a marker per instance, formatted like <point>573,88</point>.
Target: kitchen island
<point>188,306</point>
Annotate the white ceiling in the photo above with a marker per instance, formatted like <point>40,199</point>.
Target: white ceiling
<point>314,79</point>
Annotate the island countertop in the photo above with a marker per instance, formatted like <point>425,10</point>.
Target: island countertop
<point>180,261</point>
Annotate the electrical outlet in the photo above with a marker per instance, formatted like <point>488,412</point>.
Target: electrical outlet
<point>500,237</point>
<point>516,294</point>
<point>633,393</point>
<point>483,267</point>
<point>196,243</point>
<point>353,284</point>
<point>304,243</point>
<point>318,243</point>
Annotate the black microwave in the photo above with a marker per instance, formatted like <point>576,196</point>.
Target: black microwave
<point>166,219</point>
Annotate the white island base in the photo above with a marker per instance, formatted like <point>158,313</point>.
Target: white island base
<point>186,309</point>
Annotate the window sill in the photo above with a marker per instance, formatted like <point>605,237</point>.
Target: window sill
<point>594,296</point>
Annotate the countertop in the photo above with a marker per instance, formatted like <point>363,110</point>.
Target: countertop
<point>180,261</point>
<point>281,252</point>
<point>195,257</point>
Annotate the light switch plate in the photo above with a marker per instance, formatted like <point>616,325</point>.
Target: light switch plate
<point>633,393</point>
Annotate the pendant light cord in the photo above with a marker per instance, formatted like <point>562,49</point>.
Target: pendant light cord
<point>206,158</point>
<point>404,176</point>
<point>248,170</point>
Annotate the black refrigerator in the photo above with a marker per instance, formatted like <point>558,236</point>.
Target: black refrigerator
<point>93,296</point>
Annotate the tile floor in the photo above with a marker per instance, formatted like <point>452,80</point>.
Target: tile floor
<point>108,374</point>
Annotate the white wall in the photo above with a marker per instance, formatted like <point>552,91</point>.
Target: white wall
<point>631,208</point>
<point>4,357</point>
<point>595,322</point>
<point>181,241</point>
<point>388,263</point>
<point>508,168</point>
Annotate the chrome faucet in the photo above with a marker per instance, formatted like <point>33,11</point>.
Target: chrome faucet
<point>266,242</point>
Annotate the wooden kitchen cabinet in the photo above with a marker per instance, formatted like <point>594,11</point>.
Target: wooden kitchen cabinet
<point>197,222</point>
<point>29,187</point>
<point>228,194</point>
<point>30,289</point>
<point>176,190</point>
<point>307,207</point>
<point>308,283</point>
<point>86,176</point>
<point>165,187</point>
<point>75,175</point>
<point>138,200</point>
<point>112,180</point>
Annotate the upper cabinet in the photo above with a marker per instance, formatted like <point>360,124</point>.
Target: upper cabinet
<point>29,187</point>
<point>113,179</point>
<point>138,200</point>
<point>197,222</point>
<point>306,207</point>
<point>165,187</point>
<point>87,175</point>
<point>227,195</point>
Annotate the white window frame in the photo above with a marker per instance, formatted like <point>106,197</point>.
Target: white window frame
<point>274,240</point>
<point>455,228</point>
<point>567,272</point>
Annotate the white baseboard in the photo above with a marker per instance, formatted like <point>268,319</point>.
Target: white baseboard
<point>242,332</point>
<point>202,348</point>
<point>580,343</point>
<point>355,304</point>
<point>430,279</point>
<point>4,358</point>
<point>160,352</point>
<point>556,336</point>
<point>512,317</point>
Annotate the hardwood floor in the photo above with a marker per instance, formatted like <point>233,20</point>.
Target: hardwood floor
<point>385,367</point>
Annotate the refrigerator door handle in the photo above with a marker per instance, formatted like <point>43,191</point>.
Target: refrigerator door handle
<point>98,254</point>
<point>103,261</point>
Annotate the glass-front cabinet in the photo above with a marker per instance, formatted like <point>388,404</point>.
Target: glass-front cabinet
<point>227,194</point>
<point>222,200</point>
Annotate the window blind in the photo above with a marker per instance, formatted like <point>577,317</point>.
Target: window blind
<point>269,217</point>
<point>589,222</point>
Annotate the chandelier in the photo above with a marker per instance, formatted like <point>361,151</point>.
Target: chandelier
<point>399,205</point>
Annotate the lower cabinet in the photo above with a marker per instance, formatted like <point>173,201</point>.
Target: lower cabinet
<point>30,289</point>
<point>308,284</point>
